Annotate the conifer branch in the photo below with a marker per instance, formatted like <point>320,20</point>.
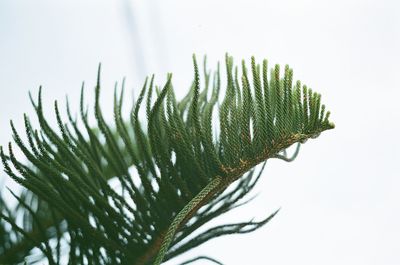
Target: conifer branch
<point>172,173</point>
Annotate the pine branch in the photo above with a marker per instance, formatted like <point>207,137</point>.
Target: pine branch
<point>183,168</point>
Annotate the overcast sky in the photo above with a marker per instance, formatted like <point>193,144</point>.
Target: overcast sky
<point>340,199</point>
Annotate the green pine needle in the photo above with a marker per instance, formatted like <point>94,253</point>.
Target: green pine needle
<point>184,165</point>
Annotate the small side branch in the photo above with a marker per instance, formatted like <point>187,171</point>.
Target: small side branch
<point>284,156</point>
<point>200,258</point>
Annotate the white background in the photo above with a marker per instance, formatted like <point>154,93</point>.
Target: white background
<point>340,199</point>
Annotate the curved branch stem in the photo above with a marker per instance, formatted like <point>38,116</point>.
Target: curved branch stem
<point>183,214</point>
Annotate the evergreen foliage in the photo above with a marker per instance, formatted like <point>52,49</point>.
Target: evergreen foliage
<point>172,169</point>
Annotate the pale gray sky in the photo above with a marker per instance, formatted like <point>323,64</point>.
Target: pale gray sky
<point>340,199</point>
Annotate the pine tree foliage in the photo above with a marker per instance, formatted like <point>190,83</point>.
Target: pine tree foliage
<point>17,242</point>
<point>173,170</point>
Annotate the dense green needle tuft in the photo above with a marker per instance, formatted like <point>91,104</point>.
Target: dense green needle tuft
<point>133,191</point>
